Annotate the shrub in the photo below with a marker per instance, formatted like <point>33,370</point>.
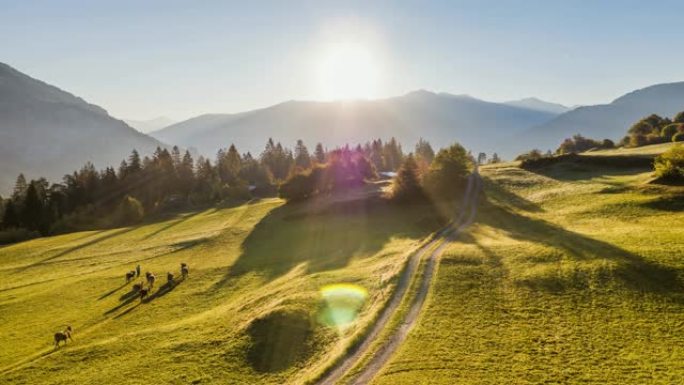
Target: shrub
<point>670,130</point>
<point>448,172</point>
<point>301,185</point>
<point>678,137</point>
<point>670,164</point>
<point>530,155</point>
<point>679,118</point>
<point>14,235</point>
<point>129,211</point>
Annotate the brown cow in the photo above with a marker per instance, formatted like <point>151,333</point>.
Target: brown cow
<point>63,335</point>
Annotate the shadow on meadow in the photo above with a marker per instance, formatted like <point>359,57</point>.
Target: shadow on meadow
<point>134,295</point>
<point>586,167</point>
<point>109,234</point>
<point>328,237</point>
<point>632,270</point>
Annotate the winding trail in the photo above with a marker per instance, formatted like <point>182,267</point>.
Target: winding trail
<point>382,356</point>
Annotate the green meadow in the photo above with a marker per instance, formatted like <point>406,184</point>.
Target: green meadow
<point>250,311</point>
<point>573,274</point>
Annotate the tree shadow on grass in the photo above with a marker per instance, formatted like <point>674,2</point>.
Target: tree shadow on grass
<point>328,237</point>
<point>172,224</point>
<point>502,195</point>
<point>632,270</point>
<point>109,235</point>
<point>582,167</point>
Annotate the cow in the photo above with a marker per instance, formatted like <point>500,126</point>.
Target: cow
<point>63,336</point>
<point>129,276</point>
<point>144,293</point>
<point>150,279</point>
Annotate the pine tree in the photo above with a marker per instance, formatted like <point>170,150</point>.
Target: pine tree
<point>186,175</point>
<point>20,187</point>
<point>176,156</point>
<point>407,183</point>
<point>233,163</point>
<point>319,154</point>
<point>10,218</point>
<point>424,152</point>
<point>301,155</point>
<point>32,212</point>
<point>134,165</point>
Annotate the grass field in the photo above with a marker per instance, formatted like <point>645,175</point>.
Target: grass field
<point>250,311</point>
<point>645,151</point>
<point>572,275</point>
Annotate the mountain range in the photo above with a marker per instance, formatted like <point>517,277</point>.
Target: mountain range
<point>610,120</point>
<point>440,118</point>
<point>45,131</point>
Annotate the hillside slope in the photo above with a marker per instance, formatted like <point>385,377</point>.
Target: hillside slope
<point>45,131</point>
<point>439,118</point>
<point>571,275</point>
<point>275,292</point>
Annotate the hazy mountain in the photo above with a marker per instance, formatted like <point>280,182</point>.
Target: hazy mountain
<point>439,118</point>
<point>45,131</point>
<point>607,120</point>
<point>539,105</point>
<point>146,126</point>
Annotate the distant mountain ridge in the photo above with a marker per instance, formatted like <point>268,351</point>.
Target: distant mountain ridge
<point>539,105</point>
<point>440,118</point>
<point>147,126</point>
<point>607,120</point>
<point>45,131</point>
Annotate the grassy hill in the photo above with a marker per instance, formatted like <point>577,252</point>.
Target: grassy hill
<point>573,274</point>
<point>652,150</point>
<point>251,310</point>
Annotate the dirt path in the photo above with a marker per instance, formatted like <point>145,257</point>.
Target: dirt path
<point>465,218</point>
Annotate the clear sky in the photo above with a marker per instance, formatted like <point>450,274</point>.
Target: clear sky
<point>143,59</point>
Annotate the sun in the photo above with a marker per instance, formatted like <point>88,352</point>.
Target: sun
<point>348,71</point>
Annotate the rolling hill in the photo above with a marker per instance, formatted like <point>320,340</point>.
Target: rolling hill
<point>607,120</point>
<point>440,118</point>
<point>571,275</point>
<point>45,131</point>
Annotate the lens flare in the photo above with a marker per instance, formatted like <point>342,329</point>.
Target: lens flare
<point>341,304</point>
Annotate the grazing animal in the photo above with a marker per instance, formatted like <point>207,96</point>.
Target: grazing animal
<point>129,276</point>
<point>150,280</point>
<point>144,293</point>
<point>169,278</point>
<point>137,286</point>
<point>63,335</point>
<point>184,270</point>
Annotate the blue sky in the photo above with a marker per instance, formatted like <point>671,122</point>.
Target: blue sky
<point>143,59</point>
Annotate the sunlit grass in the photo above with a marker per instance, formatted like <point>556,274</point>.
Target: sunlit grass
<point>569,276</point>
<point>253,268</point>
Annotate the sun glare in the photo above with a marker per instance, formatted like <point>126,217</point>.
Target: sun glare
<point>348,71</point>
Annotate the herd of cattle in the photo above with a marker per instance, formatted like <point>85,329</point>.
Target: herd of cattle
<point>138,287</point>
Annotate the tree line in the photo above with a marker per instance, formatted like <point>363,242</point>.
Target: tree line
<point>89,198</point>
<point>655,129</point>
